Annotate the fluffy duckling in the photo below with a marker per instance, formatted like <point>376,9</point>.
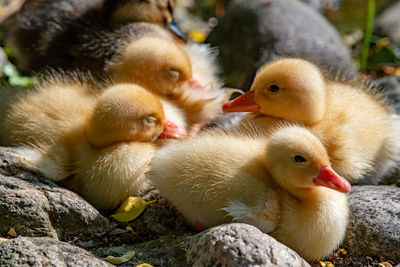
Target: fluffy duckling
<point>48,32</point>
<point>97,145</point>
<point>109,165</point>
<point>153,62</point>
<point>43,114</point>
<point>284,185</point>
<point>356,126</point>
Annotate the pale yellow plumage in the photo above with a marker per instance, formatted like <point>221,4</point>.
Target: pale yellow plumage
<point>98,145</point>
<point>217,178</point>
<point>359,130</point>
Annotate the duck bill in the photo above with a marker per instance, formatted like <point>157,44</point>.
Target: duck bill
<point>243,103</point>
<point>330,179</point>
<point>172,131</point>
<point>174,28</point>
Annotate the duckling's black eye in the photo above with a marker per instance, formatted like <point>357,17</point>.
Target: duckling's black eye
<point>299,158</point>
<point>274,88</point>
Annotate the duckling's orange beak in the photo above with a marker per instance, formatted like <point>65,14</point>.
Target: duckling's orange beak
<point>243,103</point>
<point>329,178</point>
<point>172,131</point>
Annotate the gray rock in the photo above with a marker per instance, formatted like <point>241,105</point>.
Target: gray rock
<point>160,217</point>
<point>323,4</point>
<point>168,250</point>
<point>252,33</point>
<point>388,23</point>
<point>34,206</point>
<point>45,251</point>
<point>240,245</point>
<point>374,225</point>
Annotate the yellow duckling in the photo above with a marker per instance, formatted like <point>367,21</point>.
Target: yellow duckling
<point>154,63</point>
<point>97,145</point>
<point>109,166</point>
<point>356,126</point>
<point>282,185</point>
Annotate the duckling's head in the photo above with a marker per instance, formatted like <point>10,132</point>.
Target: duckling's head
<point>154,63</point>
<point>154,11</point>
<point>298,162</point>
<point>289,88</point>
<point>127,112</point>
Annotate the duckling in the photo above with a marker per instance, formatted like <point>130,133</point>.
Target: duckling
<point>47,32</point>
<point>43,114</point>
<point>357,127</point>
<point>109,165</point>
<point>153,62</point>
<point>97,145</point>
<point>284,185</point>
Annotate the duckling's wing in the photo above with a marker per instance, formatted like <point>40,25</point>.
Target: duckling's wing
<point>265,215</point>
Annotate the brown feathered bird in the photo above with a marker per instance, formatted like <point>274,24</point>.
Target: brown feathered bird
<point>50,32</point>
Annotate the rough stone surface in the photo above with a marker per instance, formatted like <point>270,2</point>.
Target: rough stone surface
<point>240,245</point>
<point>34,206</point>
<point>168,250</point>
<point>374,225</point>
<point>388,23</point>
<point>323,4</point>
<point>252,33</point>
<point>160,217</point>
<point>45,251</point>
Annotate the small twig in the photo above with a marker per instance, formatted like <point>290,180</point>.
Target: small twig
<point>11,9</point>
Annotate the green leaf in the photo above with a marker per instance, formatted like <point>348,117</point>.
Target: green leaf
<point>10,70</point>
<point>131,208</point>
<point>7,50</point>
<point>384,55</point>
<point>22,81</point>
<point>124,258</point>
<point>15,78</point>
<point>326,264</point>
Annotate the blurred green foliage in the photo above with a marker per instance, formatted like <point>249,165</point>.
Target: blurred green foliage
<point>382,51</point>
<point>12,75</point>
<point>15,78</point>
